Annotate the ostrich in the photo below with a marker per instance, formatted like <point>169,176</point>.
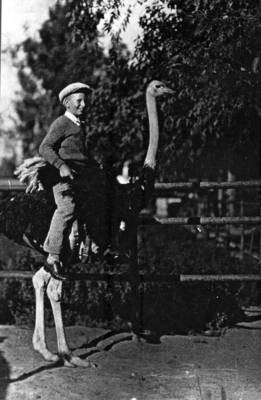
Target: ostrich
<point>103,206</point>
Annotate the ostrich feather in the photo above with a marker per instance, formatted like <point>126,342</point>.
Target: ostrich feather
<point>29,162</point>
<point>29,172</point>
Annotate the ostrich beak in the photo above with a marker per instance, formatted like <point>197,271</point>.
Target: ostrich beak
<point>168,91</point>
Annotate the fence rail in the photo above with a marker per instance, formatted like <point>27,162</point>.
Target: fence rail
<point>11,184</point>
<point>209,220</point>
<point>160,278</point>
<point>209,185</point>
<point>15,184</point>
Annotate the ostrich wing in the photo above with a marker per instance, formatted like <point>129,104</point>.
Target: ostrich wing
<point>31,213</point>
<point>26,213</point>
<point>37,174</point>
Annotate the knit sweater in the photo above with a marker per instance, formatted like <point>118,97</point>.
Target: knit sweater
<point>65,143</point>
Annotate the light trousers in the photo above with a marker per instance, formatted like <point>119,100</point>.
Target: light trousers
<point>62,220</point>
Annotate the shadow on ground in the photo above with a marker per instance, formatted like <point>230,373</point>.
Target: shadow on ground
<point>4,373</point>
<point>103,342</point>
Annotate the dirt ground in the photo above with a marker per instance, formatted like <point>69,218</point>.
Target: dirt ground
<point>179,367</point>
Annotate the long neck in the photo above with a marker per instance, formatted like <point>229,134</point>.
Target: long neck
<point>150,159</point>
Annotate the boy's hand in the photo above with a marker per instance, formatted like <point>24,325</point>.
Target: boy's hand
<point>66,172</point>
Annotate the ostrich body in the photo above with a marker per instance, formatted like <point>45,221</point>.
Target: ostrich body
<point>104,205</point>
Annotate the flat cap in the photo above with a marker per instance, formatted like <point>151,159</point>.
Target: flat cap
<point>73,88</point>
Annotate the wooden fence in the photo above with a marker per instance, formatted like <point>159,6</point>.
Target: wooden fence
<point>135,277</point>
<point>167,189</point>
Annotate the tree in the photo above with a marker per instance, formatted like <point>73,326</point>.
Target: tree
<point>8,151</point>
<point>58,58</point>
<point>48,65</point>
<point>207,49</point>
<point>210,51</point>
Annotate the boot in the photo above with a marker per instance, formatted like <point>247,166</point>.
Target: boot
<point>55,267</point>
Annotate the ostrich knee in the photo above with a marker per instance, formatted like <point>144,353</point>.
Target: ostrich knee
<point>54,290</point>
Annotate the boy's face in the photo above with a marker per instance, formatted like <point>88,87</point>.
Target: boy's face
<point>76,104</point>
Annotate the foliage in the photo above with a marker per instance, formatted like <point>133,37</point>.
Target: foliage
<point>47,66</point>
<point>7,167</point>
<point>208,51</point>
<point>110,11</point>
<point>7,150</point>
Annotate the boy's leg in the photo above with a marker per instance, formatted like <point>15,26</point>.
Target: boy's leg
<point>62,220</point>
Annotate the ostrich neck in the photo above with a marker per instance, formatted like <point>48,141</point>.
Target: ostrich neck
<point>150,159</point>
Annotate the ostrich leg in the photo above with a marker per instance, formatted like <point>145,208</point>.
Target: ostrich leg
<point>40,281</point>
<point>54,292</point>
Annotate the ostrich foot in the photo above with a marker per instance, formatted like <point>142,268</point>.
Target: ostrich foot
<point>78,362</point>
<point>73,361</point>
<point>46,354</point>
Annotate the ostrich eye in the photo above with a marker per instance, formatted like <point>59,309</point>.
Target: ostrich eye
<point>158,86</point>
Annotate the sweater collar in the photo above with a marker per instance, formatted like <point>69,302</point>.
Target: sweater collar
<point>72,117</point>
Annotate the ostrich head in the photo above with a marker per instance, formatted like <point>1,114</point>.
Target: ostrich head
<point>158,88</point>
<point>155,89</point>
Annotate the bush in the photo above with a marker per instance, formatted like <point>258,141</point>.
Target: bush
<point>166,307</point>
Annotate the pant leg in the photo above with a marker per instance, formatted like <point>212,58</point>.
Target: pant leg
<point>62,220</point>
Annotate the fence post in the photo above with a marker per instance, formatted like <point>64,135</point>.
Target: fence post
<point>260,230</point>
<point>242,231</point>
<point>251,244</point>
<point>231,195</point>
<point>230,205</point>
<point>136,289</point>
<point>220,207</point>
<point>258,286</point>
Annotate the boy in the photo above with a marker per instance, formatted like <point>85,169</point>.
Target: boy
<point>64,147</point>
